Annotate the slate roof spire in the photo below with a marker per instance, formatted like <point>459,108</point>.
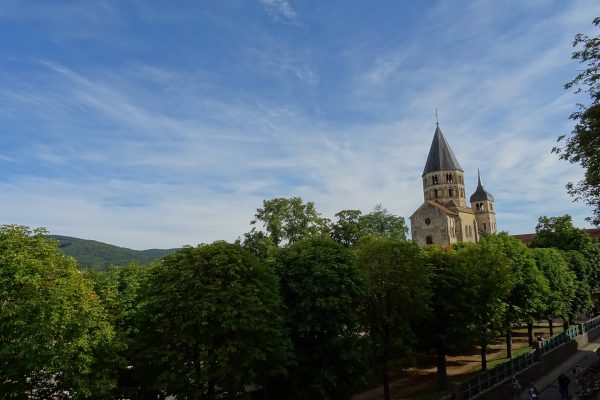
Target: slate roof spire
<point>480,193</point>
<point>441,157</point>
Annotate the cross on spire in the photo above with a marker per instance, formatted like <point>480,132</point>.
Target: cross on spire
<point>437,121</point>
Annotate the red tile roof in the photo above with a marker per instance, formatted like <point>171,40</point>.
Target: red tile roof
<point>528,237</point>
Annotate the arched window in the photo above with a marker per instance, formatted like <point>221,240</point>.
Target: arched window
<point>434,179</point>
<point>429,240</point>
<point>449,192</point>
<point>491,206</point>
<point>484,227</point>
<point>436,193</point>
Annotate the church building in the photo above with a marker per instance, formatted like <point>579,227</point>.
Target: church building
<point>444,216</point>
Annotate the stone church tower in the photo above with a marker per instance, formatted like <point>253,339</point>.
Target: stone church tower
<point>482,203</point>
<point>444,216</point>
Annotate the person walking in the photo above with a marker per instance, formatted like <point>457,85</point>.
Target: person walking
<point>577,372</point>
<point>533,393</point>
<point>563,385</point>
<point>515,388</point>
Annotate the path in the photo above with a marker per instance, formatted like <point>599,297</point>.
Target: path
<point>548,384</point>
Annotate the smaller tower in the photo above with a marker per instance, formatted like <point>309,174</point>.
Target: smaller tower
<point>482,204</point>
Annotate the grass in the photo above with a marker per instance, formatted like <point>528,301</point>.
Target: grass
<point>516,353</point>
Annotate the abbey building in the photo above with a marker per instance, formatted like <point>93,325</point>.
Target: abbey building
<point>444,217</point>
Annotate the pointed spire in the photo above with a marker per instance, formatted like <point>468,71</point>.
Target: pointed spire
<point>441,157</point>
<point>480,193</point>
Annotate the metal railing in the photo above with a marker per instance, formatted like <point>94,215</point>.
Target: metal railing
<point>556,340</point>
<point>492,377</point>
<point>591,324</point>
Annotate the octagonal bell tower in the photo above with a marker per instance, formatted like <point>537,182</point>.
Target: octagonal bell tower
<point>482,204</point>
<point>443,177</point>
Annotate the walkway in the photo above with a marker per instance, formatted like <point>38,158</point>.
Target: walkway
<point>548,384</point>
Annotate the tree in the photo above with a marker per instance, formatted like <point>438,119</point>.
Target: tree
<point>52,326</point>
<point>119,291</point>
<point>351,225</point>
<point>491,282</point>
<point>583,146</point>
<point>561,282</point>
<point>560,233</point>
<point>525,301</point>
<point>288,220</point>
<point>322,290</point>
<point>210,324</point>
<point>380,222</point>
<point>452,311</point>
<point>346,230</point>
<point>396,298</point>
<point>580,266</point>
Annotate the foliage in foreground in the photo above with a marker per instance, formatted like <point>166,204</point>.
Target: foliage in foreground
<point>306,319</point>
<point>583,145</point>
<point>56,337</point>
<point>210,324</point>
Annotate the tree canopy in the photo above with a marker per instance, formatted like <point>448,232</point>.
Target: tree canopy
<point>396,299</point>
<point>286,221</point>
<point>351,225</point>
<point>583,145</point>
<point>210,324</point>
<point>561,282</point>
<point>53,328</point>
<point>322,290</point>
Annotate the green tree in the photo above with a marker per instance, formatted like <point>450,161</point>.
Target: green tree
<point>119,290</point>
<point>580,266</point>
<point>286,221</point>
<point>351,225</point>
<point>526,300</point>
<point>583,146</point>
<point>54,331</point>
<point>453,313</point>
<point>491,284</point>
<point>210,324</point>
<point>560,233</point>
<point>258,243</point>
<point>322,289</point>
<point>396,298</point>
<point>380,222</point>
<point>346,230</point>
<point>561,281</point>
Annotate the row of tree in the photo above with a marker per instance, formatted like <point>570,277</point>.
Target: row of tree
<point>296,314</point>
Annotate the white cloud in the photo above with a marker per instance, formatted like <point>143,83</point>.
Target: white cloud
<point>148,156</point>
<point>280,10</point>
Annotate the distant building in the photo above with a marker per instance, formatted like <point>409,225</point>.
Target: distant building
<point>444,216</point>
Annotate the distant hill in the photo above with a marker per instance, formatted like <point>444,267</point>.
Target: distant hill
<point>99,256</point>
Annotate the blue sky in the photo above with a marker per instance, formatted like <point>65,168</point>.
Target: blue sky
<point>158,124</point>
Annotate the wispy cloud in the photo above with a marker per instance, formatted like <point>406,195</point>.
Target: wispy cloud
<point>155,152</point>
<point>281,10</point>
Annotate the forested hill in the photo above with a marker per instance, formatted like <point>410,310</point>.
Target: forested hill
<point>99,256</point>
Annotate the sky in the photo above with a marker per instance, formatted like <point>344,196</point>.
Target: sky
<point>159,124</point>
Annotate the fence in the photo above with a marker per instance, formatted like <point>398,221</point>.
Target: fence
<point>492,377</point>
<point>591,324</point>
<point>557,340</point>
